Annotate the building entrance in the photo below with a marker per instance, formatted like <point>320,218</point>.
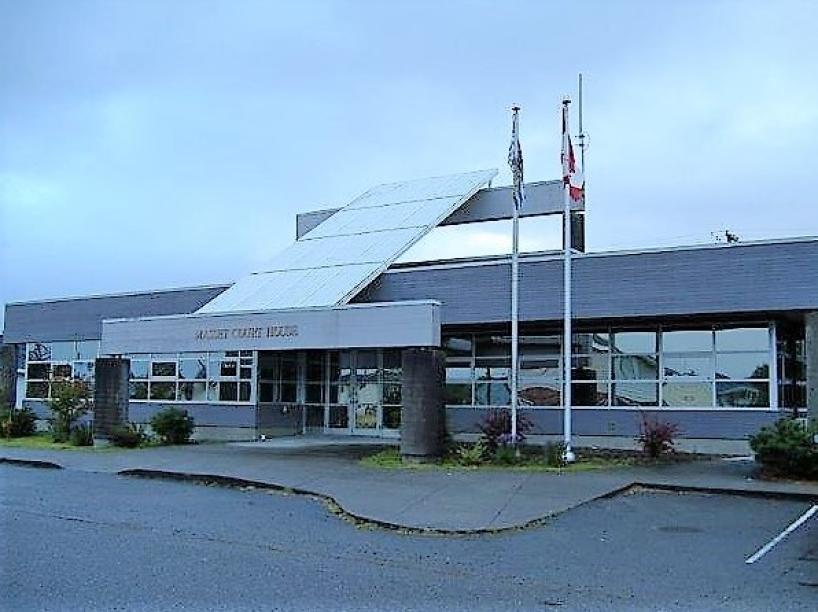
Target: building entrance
<point>351,392</point>
<point>367,401</point>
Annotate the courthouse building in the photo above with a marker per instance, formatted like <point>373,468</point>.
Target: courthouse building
<point>718,339</point>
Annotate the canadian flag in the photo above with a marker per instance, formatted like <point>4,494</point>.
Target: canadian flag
<point>570,175</point>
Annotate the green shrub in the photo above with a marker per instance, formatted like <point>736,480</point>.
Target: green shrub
<point>555,454</point>
<point>787,448</point>
<point>505,455</point>
<point>17,423</point>
<point>70,400</point>
<point>82,435</point>
<point>471,454</point>
<point>128,436</point>
<point>173,426</point>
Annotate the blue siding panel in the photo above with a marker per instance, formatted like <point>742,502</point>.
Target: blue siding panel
<point>204,415</point>
<point>81,318</point>
<point>713,424</point>
<point>760,277</point>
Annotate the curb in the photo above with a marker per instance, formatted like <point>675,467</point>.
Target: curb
<point>34,463</point>
<point>768,494</point>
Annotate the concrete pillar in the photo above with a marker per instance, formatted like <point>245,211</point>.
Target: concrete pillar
<point>811,342</point>
<point>8,375</point>
<point>423,420</point>
<point>110,396</point>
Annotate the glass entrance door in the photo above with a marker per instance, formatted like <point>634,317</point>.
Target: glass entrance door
<point>366,403</point>
<point>363,392</point>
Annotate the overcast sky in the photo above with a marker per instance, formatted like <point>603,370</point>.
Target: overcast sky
<point>151,144</point>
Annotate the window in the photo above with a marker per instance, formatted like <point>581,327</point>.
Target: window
<point>590,369</point>
<point>192,377</point>
<point>539,375</point>
<point>316,374</point>
<point>675,368</point>
<point>634,368</point>
<point>743,368</point>
<point>792,391</point>
<point>48,363</point>
<point>716,368</point>
<point>278,381</point>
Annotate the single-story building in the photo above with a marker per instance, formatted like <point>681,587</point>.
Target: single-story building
<point>719,339</point>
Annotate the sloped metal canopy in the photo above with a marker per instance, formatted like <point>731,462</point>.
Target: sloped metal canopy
<point>329,265</point>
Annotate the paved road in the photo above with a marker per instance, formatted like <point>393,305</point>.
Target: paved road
<point>72,540</point>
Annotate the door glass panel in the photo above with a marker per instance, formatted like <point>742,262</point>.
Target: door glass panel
<point>338,417</point>
<point>366,416</point>
<point>391,417</point>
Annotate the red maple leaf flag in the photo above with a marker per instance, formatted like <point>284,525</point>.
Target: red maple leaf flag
<point>570,176</point>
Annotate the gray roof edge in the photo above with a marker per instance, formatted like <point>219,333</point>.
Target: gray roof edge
<point>551,255</point>
<point>334,209</point>
<point>209,315</point>
<point>100,296</point>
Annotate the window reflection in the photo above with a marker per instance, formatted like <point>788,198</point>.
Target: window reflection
<point>634,342</point>
<point>635,394</point>
<point>743,365</point>
<point>687,341</point>
<point>743,339</point>
<point>743,394</point>
<point>687,394</point>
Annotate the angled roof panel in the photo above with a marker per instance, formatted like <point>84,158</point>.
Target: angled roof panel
<point>337,259</point>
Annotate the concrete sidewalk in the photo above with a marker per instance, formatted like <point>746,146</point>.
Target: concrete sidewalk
<point>459,500</point>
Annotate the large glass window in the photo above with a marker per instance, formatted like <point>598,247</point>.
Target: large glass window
<point>743,368</point>
<point>278,380</point>
<point>48,363</point>
<point>192,377</point>
<point>676,368</point>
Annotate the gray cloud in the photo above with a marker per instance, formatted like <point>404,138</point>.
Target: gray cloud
<point>151,144</point>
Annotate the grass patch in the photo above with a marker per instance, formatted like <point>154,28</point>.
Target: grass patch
<point>43,441</point>
<point>532,460</point>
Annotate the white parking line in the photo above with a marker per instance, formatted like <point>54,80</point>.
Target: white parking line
<point>793,526</point>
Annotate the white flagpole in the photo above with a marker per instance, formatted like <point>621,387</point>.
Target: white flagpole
<point>515,231</point>
<point>566,319</point>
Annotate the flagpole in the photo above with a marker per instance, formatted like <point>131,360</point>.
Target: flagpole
<point>515,238</point>
<point>566,319</point>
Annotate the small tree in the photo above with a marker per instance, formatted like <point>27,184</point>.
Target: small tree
<point>70,400</point>
<point>496,429</point>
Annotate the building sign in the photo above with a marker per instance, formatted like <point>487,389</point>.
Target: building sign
<point>225,333</point>
<point>394,324</point>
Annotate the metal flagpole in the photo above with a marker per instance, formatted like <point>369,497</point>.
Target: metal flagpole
<point>515,161</point>
<point>566,319</point>
<point>581,135</point>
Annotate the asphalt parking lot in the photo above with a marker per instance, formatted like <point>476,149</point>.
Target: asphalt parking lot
<point>73,540</point>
